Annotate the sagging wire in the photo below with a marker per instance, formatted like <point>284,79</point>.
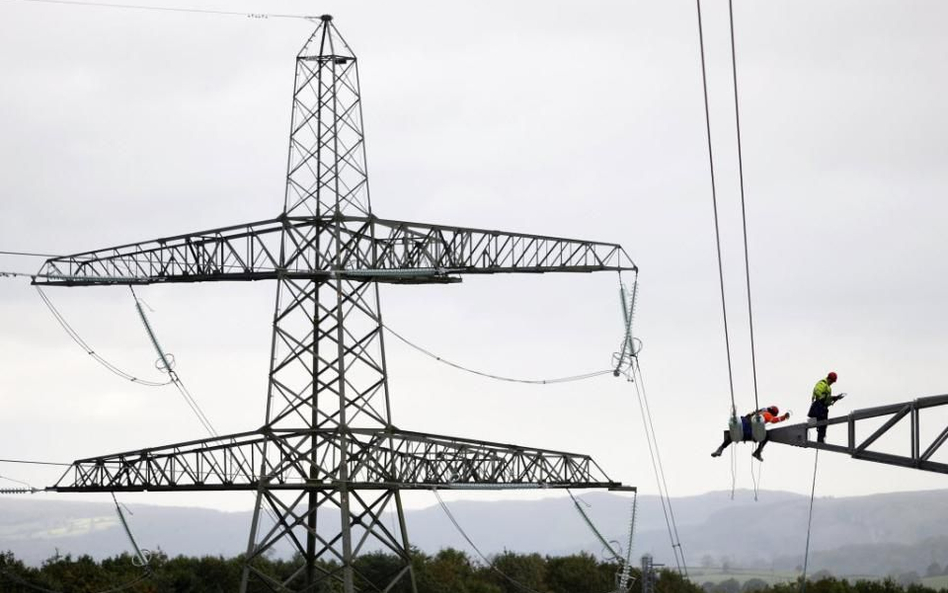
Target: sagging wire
<point>460,367</point>
<point>483,557</point>
<point>250,15</point>
<point>74,335</point>
<point>755,479</point>
<point>628,365</point>
<point>635,377</point>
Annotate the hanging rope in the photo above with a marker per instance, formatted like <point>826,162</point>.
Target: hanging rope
<point>490,564</point>
<point>809,523</point>
<point>740,168</point>
<point>755,479</point>
<point>71,332</point>
<point>455,365</point>
<point>714,202</point>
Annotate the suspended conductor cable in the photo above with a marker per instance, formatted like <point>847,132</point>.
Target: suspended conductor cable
<point>457,526</point>
<point>657,467</point>
<point>809,523</point>
<point>74,335</point>
<point>492,376</point>
<point>714,201</point>
<point>252,15</point>
<point>28,254</point>
<point>740,168</point>
<point>34,462</point>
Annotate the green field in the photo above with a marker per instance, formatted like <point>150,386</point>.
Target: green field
<point>716,575</point>
<point>936,582</point>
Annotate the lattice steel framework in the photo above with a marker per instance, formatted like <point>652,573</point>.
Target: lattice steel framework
<point>916,453</point>
<point>328,441</point>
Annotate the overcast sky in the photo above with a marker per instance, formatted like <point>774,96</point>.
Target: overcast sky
<point>565,118</point>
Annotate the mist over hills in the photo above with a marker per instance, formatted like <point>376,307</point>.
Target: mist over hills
<point>868,535</point>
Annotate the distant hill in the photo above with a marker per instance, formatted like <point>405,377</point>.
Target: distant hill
<point>870,535</point>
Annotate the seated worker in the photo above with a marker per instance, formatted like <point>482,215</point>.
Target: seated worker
<point>769,415</point>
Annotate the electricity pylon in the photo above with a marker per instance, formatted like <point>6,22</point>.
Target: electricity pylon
<point>328,442</point>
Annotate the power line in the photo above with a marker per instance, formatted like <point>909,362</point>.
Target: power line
<point>28,254</point>
<point>492,376</point>
<point>74,335</point>
<point>34,462</point>
<point>490,564</point>
<point>252,15</point>
<point>636,379</point>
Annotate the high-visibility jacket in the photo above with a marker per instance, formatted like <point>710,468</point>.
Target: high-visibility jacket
<point>771,419</point>
<point>822,392</point>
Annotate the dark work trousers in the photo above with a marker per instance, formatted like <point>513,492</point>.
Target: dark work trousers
<point>727,442</point>
<point>819,411</point>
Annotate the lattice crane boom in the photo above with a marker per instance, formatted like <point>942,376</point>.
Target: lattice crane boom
<point>916,453</point>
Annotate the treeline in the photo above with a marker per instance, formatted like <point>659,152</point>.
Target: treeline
<point>448,571</point>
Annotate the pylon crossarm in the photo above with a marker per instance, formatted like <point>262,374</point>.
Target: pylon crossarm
<point>369,249</point>
<point>378,459</point>
<point>916,453</point>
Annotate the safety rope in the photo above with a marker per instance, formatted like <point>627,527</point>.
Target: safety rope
<point>74,335</point>
<point>809,523</point>
<point>460,367</point>
<point>755,479</point>
<point>714,202</point>
<point>484,558</point>
<point>740,168</point>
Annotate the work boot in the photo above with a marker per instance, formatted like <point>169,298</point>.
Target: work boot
<point>757,455</point>
<point>716,453</point>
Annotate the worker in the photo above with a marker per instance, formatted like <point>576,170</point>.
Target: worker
<point>823,398</point>
<point>770,415</point>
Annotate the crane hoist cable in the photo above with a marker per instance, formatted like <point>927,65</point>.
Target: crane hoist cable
<point>759,431</point>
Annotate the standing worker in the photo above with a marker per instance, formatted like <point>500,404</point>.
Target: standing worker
<point>823,398</point>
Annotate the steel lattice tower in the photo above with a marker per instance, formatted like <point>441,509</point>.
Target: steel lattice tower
<point>328,442</point>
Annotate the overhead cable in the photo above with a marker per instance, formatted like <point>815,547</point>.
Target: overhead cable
<point>252,15</point>
<point>71,332</point>
<point>490,564</point>
<point>635,377</point>
<point>492,376</point>
<point>34,462</point>
<point>27,254</point>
